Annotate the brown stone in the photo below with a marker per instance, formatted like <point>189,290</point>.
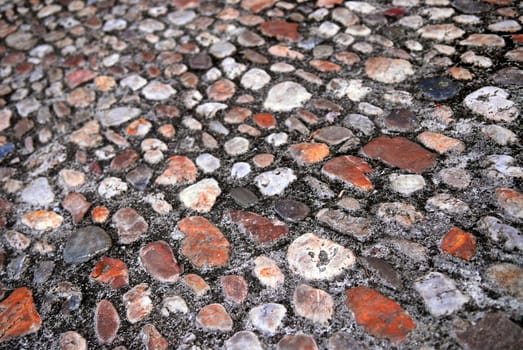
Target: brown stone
<point>281,30</point>
<point>18,315</point>
<point>380,316</point>
<point>111,271</point>
<point>181,170</point>
<point>222,90</point>
<point>263,160</point>
<point>159,261</point>
<point>152,339</point>
<point>400,152</point>
<point>6,208</point>
<point>350,170</point>
<point>130,225</point>
<point>459,243</point>
<point>234,288</point>
<point>237,115</point>
<point>313,304</point>
<point>309,153</point>
<point>78,77</point>
<point>196,284</point>
<point>259,228</point>
<point>124,160</point>
<point>441,143</point>
<point>388,70</point>
<point>106,322</point>
<point>257,5</point>
<point>81,97</point>
<point>214,317</point>
<point>77,205</point>
<point>297,342</point>
<point>328,3</point>
<point>204,244</point>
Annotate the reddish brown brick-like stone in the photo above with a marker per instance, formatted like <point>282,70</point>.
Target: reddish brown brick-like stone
<point>257,5</point>
<point>380,316</point>
<point>259,228</point>
<point>401,152</point>
<point>124,160</point>
<point>18,315</point>
<point>459,243</point>
<point>78,77</point>
<point>265,120</point>
<point>281,30</point>
<point>111,271</point>
<point>204,244</point>
<point>77,205</point>
<point>325,66</point>
<point>214,317</point>
<point>350,170</point>
<point>181,170</point>
<point>158,259</point>
<point>222,90</point>
<point>106,322</point>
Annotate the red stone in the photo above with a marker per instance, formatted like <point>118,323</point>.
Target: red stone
<point>100,214</point>
<point>325,66</point>
<point>196,283</point>
<point>259,228</point>
<point>18,315</point>
<point>281,30</point>
<point>181,170</point>
<point>234,288</point>
<point>380,316</point>
<point>350,170</point>
<point>124,160</point>
<point>214,317</point>
<point>394,12</point>
<point>328,3</point>
<point>73,61</point>
<point>204,244</point>
<point>185,4</point>
<point>265,120</point>
<point>309,153</point>
<point>459,243</point>
<point>257,5</point>
<point>158,259</point>
<point>106,322</point>
<point>400,152</point>
<point>111,271</point>
<point>78,77</point>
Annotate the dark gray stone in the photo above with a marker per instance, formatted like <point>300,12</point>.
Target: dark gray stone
<point>139,177</point>
<point>291,210</point>
<point>85,243</point>
<point>243,197</point>
<point>494,331</point>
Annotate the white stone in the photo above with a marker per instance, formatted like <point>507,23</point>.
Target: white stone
<point>267,318</point>
<point>315,258</point>
<point>111,186</point>
<point>492,103</point>
<point>201,196</point>
<point>157,91</point>
<point>286,96</point>
<point>406,184</point>
<point>274,182</point>
<point>38,192</point>
<point>255,79</point>
<point>439,293</point>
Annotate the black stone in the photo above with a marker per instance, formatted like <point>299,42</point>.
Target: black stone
<point>243,197</point>
<point>139,177</point>
<point>440,88</point>
<point>401,120</point>
<point>291,210</point>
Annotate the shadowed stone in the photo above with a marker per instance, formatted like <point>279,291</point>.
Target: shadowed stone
<point>85,243</point>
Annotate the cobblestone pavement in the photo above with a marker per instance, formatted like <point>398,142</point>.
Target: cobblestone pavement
<point>261,174</point>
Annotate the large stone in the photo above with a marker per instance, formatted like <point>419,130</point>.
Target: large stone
<point>214,317</point>
<point>440,294</point>
<point>380,316</point>
<point>261,229</point>
<point>180,170</point>
<point>243,340</point>
<point>286,96</point>
<point>235,288</point>
<point>297,342</point>
<point>204,244</point>
<point>111,271</point>
<point>493,331</point>
<point>511,201</point>
<point>159,261</point>
<point>38,192</point>
<point>274,182</point>
<point>18,315</point>
<point>157,91</point>
<point>459,243</point>
<point>315,258</point>
<point>309,153</point>
<point>492,103</point>
<point>152,339</point>
<point>358,227</point>
<point>313,304</point>
<point>388,70</point>
<point>118,115</point>
<point>106,322</point>
<point>267,318</point>
<point>257,5</point>
<point>349,169</point>
<point>268,272</point>
<point>441,32</point>
<point>509,277</point>
<point>201,196</point>
<point>282,30</point>
<point>76,205</point>
<point>138,304</point>
<point>85,243</point>
<point>400,152</point>
<point>42,220</point>
<point>130,225</point>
